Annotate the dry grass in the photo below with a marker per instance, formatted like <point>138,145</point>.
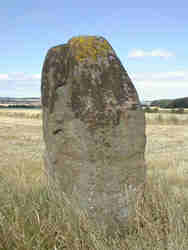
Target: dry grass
<point>34,217</point>
<point>152,118</point>
<point>21,113</point>
<point>167,118</point>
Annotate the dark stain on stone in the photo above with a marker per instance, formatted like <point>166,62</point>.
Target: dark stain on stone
<point>57,131</point>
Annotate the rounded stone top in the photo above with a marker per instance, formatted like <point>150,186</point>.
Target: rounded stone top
<point>100,88</point>
<point>89,47</point>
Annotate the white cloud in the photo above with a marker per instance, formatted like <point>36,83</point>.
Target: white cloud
<point>20,77</point>
<point>139,53</point>
<point>36,76</point>
<point>3,77</point>
<point>157,85</point>
<point>150,86</point>
<point>158,77</point>
<point>20,85</point>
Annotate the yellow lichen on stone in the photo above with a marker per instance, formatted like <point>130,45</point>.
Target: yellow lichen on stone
<point>89,46</point>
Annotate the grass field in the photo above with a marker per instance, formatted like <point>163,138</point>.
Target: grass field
<point>33,217</point>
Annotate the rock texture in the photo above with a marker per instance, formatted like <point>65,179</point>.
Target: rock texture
<point>93,127</point>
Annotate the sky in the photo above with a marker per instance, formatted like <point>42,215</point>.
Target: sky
<point>149,37</point>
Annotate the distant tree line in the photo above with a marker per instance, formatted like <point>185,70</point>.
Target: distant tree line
<point>15,106</point>
<point>157,110</point>
<point>171,104</point>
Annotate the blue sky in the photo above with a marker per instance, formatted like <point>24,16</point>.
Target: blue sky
<point>151,40</point>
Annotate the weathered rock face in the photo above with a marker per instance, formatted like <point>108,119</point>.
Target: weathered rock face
<point>93,127</point>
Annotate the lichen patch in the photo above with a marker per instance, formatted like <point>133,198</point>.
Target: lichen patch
<point>89,47</point>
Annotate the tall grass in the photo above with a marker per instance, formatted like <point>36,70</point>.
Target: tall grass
<point>32,216</point>
<point>36,216</point>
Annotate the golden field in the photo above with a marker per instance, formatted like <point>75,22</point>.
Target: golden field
<point>32,217</point>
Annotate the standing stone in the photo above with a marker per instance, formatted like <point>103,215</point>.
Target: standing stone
<point>93,127</point>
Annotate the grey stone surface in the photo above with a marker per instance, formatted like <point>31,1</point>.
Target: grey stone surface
<point>93,128</point>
